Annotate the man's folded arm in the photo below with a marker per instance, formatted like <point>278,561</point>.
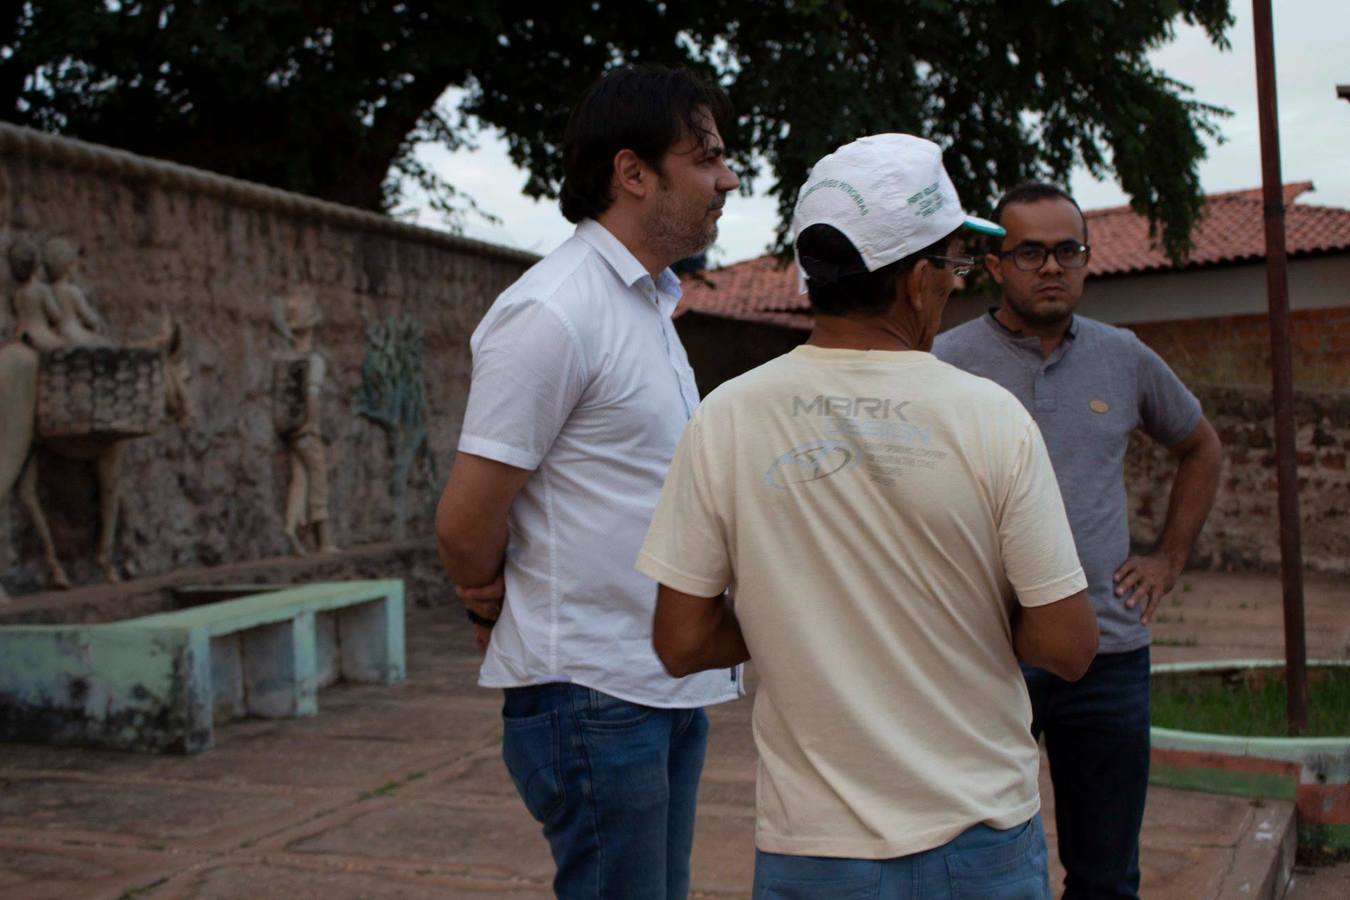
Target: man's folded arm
<point>691,633</point>
<point>1060,637</point>
<point>471,518</point>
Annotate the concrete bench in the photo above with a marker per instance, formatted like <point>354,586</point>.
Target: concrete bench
<point>160,682</point>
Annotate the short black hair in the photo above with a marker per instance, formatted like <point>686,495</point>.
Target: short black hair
<point>646,109</point>
<point>1034,191</point>
<point>837,280</point>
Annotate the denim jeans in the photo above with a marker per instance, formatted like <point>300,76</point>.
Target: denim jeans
<point>613,783</point>
<point>1096,736</point>
<point>980,862</point>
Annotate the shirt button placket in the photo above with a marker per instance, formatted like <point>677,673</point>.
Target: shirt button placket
<point>1043,391</point>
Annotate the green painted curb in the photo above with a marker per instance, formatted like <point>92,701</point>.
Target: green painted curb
<point>1322,760</point>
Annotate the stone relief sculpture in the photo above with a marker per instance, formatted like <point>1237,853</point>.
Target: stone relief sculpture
<point>36,315</point>
<point>83,403</point>
<point>78,324</point>
<point>297,384</point>
<point>393,396</point>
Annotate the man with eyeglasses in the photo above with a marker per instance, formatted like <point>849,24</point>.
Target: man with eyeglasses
<point>897,542</point>
<point>1088,385</point>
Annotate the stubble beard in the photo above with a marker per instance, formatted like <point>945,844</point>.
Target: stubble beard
<point>1031,316</point>
<point>678,230</point>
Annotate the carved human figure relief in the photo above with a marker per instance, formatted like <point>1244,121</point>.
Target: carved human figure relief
<point>84,403</point>
<point>297,385</point>
<point>36,314</point>
<point>79,324</point>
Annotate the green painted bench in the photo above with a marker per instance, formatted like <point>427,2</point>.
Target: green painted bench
<point>161,682</point>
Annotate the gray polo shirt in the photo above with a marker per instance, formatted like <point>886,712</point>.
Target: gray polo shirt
<point>1098,385</point>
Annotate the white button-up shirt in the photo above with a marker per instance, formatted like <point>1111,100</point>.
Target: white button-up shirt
<point>579,375</point>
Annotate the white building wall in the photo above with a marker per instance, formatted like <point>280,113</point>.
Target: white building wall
<point>1319,283</point>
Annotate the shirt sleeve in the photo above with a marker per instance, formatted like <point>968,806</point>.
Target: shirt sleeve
<point>1168,411</point>
<point>529,373</point>
<point>686,546</point>
<point>1039,555</point>
<point>946,348</point>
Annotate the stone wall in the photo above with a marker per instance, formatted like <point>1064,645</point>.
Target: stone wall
<point>1236,349</point>
<point>1243,530</point>
<point>213,252</point>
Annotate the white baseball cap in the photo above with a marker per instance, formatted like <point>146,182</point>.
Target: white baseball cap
<point>888,194</point>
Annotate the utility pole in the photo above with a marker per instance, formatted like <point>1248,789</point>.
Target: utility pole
<point>1277,291</point>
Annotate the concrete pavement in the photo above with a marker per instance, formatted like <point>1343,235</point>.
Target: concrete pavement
<point>399,792</point>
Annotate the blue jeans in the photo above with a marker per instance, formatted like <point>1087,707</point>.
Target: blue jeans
<point>980,862</point>
<point>613,783</point>
<point>1096,736</point>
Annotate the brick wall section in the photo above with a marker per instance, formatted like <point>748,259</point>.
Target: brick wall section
<point>213,251</point>
<point>1243,530</point>
<point>1226,361</point>
<point>1236,349</point>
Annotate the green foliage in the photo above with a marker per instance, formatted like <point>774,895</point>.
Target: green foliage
<point>1251,704</point>
<point>317,97</point>
<point>330,98</point>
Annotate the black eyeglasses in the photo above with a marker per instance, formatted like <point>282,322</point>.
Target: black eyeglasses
<point>1030,256</point>
<point>961,265</point>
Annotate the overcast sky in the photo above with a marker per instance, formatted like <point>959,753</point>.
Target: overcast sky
<point>1311,53</point>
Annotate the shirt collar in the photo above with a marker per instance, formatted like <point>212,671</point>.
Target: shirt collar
<point>623,262</point>
<point>1070,333</point>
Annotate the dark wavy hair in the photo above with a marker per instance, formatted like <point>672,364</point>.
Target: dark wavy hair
<point>837,280</point>
<point>646,109</point>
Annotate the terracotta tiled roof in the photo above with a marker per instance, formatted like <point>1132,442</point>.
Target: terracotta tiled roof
<point>756,290</point>
<point>1232,230</point>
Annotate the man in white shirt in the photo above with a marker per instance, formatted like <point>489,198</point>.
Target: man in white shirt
<point>896,541</point>
<point>579,393</point>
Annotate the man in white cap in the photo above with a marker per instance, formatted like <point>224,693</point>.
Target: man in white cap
<point>897,542</point>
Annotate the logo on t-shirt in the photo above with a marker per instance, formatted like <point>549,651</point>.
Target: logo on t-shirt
<point>850,407</point>
<point>809,462</point>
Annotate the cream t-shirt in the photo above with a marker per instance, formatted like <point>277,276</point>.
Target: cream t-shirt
<point>876,513</point>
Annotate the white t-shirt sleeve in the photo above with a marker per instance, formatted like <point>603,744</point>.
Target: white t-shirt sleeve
<point>686,546</point>
<point>529,372</point>
<point>1039,555</point>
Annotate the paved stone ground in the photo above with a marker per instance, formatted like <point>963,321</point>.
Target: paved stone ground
<point>400,793</point>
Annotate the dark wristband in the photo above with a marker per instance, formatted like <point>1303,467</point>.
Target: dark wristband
<point>476,619</point>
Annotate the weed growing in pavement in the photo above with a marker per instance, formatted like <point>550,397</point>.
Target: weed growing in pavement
<point>143,891</point>
<point>392,785</point>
